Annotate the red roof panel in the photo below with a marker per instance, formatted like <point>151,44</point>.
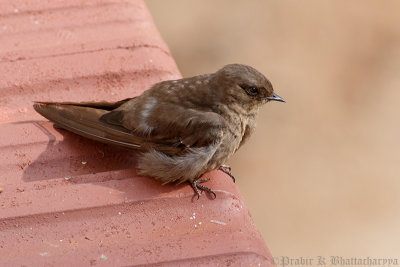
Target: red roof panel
<point>67,200</point>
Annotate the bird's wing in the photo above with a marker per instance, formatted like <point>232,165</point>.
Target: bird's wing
<point>168,127</point>
<point>173,129</point>
<point>99,105</point>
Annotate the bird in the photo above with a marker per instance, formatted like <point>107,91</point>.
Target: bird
<point>180,129</point>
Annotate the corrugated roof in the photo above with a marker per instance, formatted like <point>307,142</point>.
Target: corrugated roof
<point>67,200</point>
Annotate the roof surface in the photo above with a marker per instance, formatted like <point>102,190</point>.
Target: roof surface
<point>67,200</point>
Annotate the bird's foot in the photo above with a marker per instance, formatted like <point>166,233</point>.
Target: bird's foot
<point>197,184</point>
<point>227,169</point>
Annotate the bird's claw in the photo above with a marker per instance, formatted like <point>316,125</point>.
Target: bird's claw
<point>197,184</point>
<point>227,169</point>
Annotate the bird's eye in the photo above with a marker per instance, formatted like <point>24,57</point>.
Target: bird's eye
<point>252,91</point>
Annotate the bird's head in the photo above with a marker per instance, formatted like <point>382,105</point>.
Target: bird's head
<point>243,84</point>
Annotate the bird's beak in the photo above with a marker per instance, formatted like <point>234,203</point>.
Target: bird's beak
<point>276,97</point>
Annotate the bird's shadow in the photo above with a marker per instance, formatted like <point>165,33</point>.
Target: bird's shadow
<point>76,159</point>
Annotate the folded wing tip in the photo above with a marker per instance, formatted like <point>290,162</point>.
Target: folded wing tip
<point>39,106</point>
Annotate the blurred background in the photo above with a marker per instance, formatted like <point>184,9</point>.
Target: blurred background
<point>321,173</point>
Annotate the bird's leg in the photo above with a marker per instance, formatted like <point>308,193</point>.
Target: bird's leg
<point>197,184</point>
<point>227,169</point>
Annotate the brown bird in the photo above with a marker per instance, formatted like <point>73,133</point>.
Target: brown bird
<point>181,128</point>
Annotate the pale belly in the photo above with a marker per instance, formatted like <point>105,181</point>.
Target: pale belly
<point>227,147</point>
